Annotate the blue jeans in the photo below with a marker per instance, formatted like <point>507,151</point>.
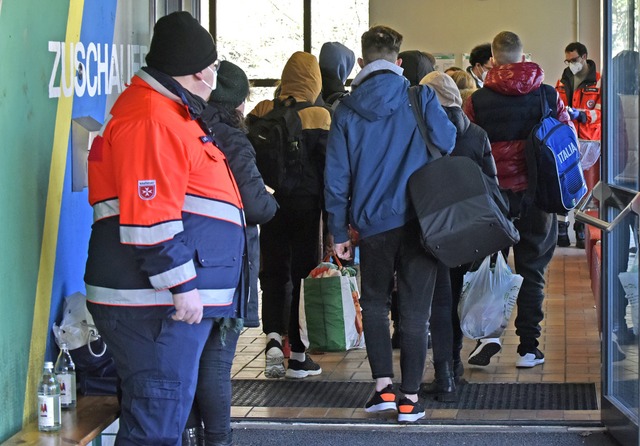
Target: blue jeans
<point>156,361</point>
<point>212,405</point>
<point>398,250</point>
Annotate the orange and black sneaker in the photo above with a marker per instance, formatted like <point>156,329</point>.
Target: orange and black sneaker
<point>381,401</point>
<point>408,411</point>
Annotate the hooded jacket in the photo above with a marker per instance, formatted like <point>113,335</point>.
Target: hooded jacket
<point>301,79</point>
<point>374,147</point>
<point>586,97</point>
<point>336,62</point>
<point>507,108</point>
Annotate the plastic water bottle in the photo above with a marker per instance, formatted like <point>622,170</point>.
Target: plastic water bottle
<point>65,371</point>
<point>49,410</point>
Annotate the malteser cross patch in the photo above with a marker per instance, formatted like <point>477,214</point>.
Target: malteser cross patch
<point>147,189</point>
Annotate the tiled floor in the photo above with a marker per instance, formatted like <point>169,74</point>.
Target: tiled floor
<point>570,341</point>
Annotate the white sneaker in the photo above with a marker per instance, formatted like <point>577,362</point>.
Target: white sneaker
<point>529,360</point>
<point>485,349</point>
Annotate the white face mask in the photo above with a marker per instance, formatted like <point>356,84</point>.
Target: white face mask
<point>576,67</point>
<point>483,76</point>
<point>215,78</point>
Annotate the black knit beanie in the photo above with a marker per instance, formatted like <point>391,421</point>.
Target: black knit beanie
<point>232,85</point>
<point>180,45</point>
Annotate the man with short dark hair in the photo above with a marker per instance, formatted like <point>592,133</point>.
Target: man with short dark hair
<point>507,108</point>
<point>579,88</point>
<point>480,63</point>
<point>374,146</point>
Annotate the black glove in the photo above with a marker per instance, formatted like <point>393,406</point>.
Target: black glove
<point>582,117</point>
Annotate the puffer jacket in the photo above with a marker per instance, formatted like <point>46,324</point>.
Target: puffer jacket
<point>301,79</point>
<point>507,108</point>
<point>472,142</point>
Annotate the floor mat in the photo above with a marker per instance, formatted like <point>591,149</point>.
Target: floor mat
<point>475,396</point>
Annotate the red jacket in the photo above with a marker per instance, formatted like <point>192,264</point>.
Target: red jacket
<point>587,98</point>
<point>167,212</point>
<point>507,108</point>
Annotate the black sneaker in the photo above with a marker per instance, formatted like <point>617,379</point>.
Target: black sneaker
<point>530,359</point>
<point>408,411</point>
<point>563,234</point>
<point>274,360</point>
<point>381,401</point>
<point>299,369</point>
<point>485,349</point>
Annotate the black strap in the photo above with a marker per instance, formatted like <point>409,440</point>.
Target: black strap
<point>414,100</point>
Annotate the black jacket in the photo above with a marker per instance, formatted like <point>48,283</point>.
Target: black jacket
<point>472,142</point>
<point>259,205</point>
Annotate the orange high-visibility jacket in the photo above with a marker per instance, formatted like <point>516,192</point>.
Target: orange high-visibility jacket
<point>168,216</point>
<point>587,97</point>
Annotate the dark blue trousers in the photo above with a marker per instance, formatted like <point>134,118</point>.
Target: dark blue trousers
<point>157,362</point>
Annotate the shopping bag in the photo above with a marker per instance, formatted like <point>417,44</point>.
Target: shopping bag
<point>330,315</point>
<point>629,281</point>
<point>488,297</point>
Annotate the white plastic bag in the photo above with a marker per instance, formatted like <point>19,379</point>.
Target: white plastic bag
<point>629,281</point>
<point>487,300</point>
<point>77,328</point>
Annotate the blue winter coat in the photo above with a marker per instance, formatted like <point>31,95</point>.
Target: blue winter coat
<point>374,146</point>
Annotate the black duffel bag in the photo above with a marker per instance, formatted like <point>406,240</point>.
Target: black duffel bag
<point>462,214</point>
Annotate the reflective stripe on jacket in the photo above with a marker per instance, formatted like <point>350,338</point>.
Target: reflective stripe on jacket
<point>167,212</point>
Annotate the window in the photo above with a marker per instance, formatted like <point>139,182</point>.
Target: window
<point>261,36</point>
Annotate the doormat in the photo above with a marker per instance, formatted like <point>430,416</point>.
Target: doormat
<point>474,396</point>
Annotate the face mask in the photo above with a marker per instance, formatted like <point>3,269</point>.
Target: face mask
<point>215,77</point>
<point>576,67</point>
<point>483,76</point>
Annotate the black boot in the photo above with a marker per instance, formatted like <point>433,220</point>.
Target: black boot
<point>190,437</point>
<point>458,370</point>
<point>443,387</point>
<point>563,234</point>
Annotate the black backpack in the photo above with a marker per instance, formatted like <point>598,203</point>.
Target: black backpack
<point>276,138</point>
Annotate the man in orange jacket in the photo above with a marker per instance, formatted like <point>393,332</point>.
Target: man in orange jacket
<point>579,88</point>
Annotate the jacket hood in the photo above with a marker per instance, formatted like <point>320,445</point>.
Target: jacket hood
<point>377,91</point>
<point>458,119</point>
<point>301,78</point>
<point>336,61</point>
<point>416,65</point>
<point>515,79</point>
<point>445,88</point>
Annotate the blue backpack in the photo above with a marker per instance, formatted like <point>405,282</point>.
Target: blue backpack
<point>556,181</point>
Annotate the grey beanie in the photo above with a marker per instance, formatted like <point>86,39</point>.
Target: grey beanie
<point>180,45</point>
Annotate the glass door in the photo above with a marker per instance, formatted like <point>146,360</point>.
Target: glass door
<point>618,202</point>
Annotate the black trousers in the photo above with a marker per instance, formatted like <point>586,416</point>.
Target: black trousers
<point>289,248</point>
